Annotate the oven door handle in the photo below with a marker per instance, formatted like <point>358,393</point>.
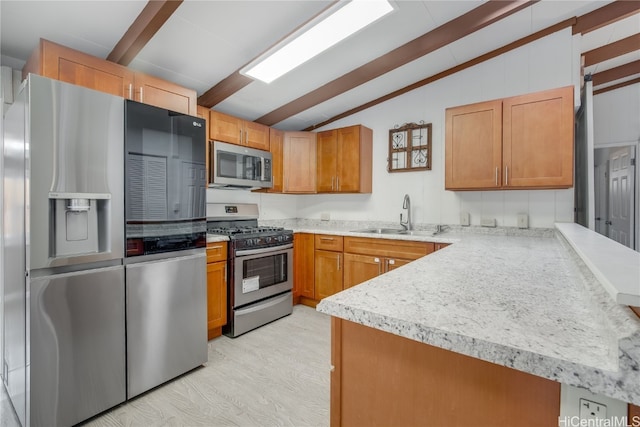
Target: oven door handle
<point>262,250</point>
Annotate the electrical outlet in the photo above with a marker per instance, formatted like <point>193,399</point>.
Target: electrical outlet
<point>488,222</point>
<point>325,216</point>
<point>523,220</point>
<point>465,219</point>
<point>592,410</point>
<point>585,406</point>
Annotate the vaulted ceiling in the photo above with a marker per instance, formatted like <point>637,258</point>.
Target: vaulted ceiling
<point>204,44</point>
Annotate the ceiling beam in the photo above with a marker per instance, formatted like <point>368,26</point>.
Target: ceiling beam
<point>616,73</point>
<point>148,22</point>
<point>477,60</point>
<point>612,50</point>
<point>617,86</point>
<point>224,89</point>
<point>472,21</point>
<point>606,15</point>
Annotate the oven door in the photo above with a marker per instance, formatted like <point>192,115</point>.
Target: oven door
<point>261,273</point>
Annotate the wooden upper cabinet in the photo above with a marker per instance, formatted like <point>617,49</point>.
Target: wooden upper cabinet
<point>225,128</point>
<point>59,62</point>
<point>327,149</point>
<point>161,93</point>
<point>519,142</point>
<point>345,160</point>
<point>203,113</point>
<point>234,130</point>
<point>68,65</point>
<point>276,146</point>
<point>537,139</point>
<point>473,146</point>
<point>299,162</point>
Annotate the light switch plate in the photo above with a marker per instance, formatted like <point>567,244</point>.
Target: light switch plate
<point>465,219</point>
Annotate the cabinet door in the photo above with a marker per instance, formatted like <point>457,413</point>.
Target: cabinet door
<point>473,146</point>
<point>438,246</point>
<point>164,94</point>
<point>299,162</point>
<point>538,139</point>
<point>303,265</point>
<point>329,242</point>
<point>276,146</point>
<point>348,160</point>
<point>203,113</point>
<point>216,296</point>
<point>68,65</point>
<point>360,268</point>
<point>256,135</point>
<point>387,248</point>
<point>328,273</point>
<point>225,128</point>
<point>327,153</point>
<point>393,263</point>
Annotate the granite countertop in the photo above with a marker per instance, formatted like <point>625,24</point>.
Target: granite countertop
<point>527,302</point>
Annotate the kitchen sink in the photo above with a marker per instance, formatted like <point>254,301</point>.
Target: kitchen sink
<point>382,231</point>
<point>398,231</point>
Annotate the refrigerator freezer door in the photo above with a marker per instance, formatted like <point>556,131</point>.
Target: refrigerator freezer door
<point>76,174</point>
<point>77,345</point>
<point>166,320</point>
<point>13,271</point>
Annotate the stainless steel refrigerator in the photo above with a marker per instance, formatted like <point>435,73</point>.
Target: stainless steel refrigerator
<point>64,288</point>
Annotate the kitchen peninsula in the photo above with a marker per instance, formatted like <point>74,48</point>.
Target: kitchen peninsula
<point>480,333</point>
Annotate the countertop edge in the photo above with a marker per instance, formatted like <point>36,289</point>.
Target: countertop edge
<point>619,286</point>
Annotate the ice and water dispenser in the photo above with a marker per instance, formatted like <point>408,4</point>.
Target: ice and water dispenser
<point>78,223</point>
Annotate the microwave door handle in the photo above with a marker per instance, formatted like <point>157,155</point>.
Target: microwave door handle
<point>262,168</point>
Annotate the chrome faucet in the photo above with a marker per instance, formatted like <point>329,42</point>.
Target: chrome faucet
<point>406,204</point>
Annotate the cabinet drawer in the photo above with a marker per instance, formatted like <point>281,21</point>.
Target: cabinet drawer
<point>387,248</point>
<point>216,251</point>
<point>327,242</point>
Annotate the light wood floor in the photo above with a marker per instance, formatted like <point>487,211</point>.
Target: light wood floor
<point>277,375</point>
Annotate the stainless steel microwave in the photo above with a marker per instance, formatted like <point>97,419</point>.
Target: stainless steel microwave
<point>236,166</point>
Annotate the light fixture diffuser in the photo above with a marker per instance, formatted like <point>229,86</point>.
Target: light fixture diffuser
<point>328,29</point>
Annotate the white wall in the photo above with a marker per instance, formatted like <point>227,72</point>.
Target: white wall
<point>547,63</point>
<point>616,116</point>
<point>272,206</point>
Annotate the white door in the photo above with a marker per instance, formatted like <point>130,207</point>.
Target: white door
<point>601,185</point>
<point>621,196</point>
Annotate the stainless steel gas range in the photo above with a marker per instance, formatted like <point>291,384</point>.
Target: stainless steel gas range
<point>260,267</point>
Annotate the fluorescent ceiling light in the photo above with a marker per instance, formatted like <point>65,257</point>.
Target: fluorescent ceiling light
<point>315,37</point>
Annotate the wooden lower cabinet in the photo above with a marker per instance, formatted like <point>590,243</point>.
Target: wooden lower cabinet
<point>325,264</point>
<point>216,288</point>
<point>303,267</point>
<point>381,379</point>
<point>438,246</point>
<point>328,273</point>
<point>366,258</point>
<point>360,268</point>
